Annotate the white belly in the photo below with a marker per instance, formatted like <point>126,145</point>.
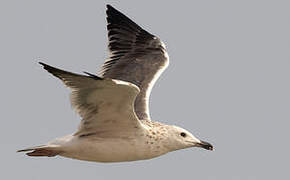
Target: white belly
<point>110,149</point>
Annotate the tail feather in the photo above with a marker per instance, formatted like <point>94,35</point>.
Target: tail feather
<point>41,151</point>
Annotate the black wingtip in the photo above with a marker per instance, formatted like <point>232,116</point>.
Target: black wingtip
<point>113,11</point>
<point>115,18</point>
<point>109,6</point>
<point>54,71</point>
<point>46,66</point>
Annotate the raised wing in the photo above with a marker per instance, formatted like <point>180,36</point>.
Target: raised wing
<point>105,105</point>
<point>136,56</point>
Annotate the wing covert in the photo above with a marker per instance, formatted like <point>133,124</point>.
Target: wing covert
<point>105,105</point>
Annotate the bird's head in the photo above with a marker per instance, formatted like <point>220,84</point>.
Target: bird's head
<point>181,138</point>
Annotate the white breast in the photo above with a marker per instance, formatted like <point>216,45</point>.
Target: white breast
<point>97,149</point>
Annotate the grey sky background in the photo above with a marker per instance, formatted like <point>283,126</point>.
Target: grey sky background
<point>227,83</point>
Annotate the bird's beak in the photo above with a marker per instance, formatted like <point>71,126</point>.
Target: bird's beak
<point>205,145</point>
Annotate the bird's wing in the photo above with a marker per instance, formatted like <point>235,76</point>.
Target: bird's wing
<point>105,105</point>
<point>136,56</point>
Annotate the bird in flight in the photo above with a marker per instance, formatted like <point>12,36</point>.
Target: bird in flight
<point>116,124</point>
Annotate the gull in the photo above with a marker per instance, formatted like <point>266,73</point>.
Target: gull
<point>116,125</point>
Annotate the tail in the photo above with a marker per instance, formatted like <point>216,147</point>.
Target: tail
<point>44,150</point>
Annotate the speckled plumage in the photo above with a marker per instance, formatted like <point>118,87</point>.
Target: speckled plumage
<point>116,125</point>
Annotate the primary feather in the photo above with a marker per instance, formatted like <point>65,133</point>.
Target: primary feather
<point>136,56</point>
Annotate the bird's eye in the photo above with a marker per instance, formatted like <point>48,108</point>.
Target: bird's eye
<point>183,134</point>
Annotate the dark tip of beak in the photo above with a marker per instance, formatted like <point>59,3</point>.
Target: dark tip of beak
<point>206,145</point>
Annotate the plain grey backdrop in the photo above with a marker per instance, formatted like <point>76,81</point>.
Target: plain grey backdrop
<point>228,83</point>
